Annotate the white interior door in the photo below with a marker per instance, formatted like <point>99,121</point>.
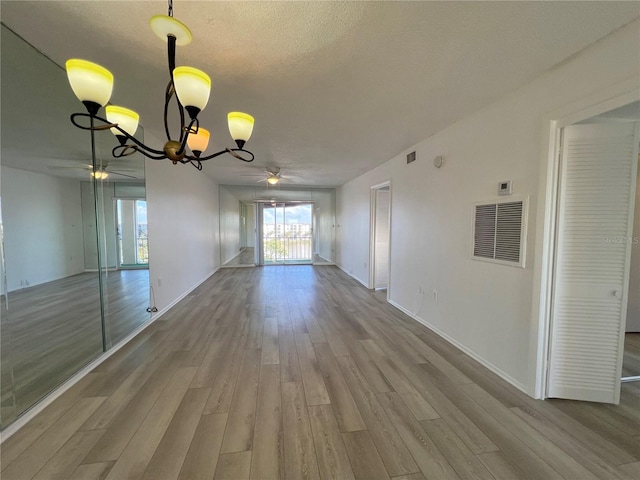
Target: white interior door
<point>595,221</point>
<point>381,239</point>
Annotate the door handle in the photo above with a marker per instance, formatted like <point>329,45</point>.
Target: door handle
<point>617,294</point>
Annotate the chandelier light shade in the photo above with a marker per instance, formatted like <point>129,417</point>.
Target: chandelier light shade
<point>125,118</point>
<point>89,81</point>
<point>191,89</point>
<point>240,126</point>
<point>199,141</point>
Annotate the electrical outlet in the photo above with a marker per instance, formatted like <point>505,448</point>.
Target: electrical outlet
<point>159,282</point>
<point>435,295</point>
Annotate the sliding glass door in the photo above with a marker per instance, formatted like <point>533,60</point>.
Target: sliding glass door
<point>133,246</point>
<point>287,233</point>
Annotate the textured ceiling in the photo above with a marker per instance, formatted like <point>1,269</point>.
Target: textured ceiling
<point>336,88</point>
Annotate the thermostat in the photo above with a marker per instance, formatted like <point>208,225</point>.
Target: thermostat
<point>505,188</point>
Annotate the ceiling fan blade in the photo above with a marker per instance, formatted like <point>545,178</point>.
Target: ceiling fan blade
<point>76,167</point>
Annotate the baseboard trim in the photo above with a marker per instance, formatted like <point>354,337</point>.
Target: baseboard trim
<point>30,414</point>
<point>187,292</point>
<point>364,284</point>
<point>502,374</point>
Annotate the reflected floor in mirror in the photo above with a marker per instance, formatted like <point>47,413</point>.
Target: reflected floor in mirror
<point>300,372</point>
<point>55,327</point>
<point>243,259</point>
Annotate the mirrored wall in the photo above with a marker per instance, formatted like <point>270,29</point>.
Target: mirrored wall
<point>74,249</point>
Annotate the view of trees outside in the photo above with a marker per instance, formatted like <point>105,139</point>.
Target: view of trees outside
<point>287,233</point>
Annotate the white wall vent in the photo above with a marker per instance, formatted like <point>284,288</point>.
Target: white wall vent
<point>411,157</point>
<point>499,232</point>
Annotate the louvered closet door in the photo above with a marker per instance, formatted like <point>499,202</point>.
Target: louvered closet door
<point>598,181</point>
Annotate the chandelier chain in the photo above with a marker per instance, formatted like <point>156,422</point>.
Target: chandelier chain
<point>170,13</point>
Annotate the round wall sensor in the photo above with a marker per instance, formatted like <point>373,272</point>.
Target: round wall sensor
<point>438,161</point>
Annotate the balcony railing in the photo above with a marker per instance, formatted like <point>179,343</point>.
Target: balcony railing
<point>142,256</point>
<point>289,248</point>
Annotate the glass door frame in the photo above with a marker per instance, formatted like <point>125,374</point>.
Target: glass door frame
<point>260,254</point>
<point>119,264</point>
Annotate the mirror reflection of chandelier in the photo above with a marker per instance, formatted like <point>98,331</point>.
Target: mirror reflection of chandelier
<point>93,85</point>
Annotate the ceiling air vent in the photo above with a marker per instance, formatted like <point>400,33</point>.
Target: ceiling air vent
<point>411,157</point>
<point>499,232</point>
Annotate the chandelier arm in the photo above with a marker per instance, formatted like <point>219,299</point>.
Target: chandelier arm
<point>141,147</point>
<point>183,137</point>
<point>167,98</point>
<point>181,110</point>
<point>107,125</point>
<point>144,149</point>
<point>197,164</point>
<point>230,151</point>
<point>131,149</point>
<point>171,89</point>
<point>120,151</point>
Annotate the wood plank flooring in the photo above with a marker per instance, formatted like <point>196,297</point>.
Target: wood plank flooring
<point>299,372</point>
<point>53,329</point>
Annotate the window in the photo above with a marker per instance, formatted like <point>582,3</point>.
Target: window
<point>499,232</point>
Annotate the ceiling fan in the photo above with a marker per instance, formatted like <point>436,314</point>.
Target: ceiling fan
<point>103,172</point>
<point>271,175</point>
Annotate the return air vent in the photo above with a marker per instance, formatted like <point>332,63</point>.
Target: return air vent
<point>499,232</point>
<point>411,157</point>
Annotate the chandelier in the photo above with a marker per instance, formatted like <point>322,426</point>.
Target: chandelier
<point>93,84</point>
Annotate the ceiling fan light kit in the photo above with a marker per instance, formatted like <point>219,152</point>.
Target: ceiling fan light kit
<point>93,85</point>
<point>273,180</point>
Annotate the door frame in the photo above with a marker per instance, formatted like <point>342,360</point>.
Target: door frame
<point>602,101</point>
<point>372,235</point>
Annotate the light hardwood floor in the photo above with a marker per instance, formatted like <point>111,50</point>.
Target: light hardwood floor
<point>298,372</point>
<point>54,328</point>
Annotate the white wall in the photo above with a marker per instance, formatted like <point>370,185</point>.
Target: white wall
<point>42,227</point>
<point>484,308</point>
<point>229,224</point>
<point>182,213</point>
<point>633,306</point>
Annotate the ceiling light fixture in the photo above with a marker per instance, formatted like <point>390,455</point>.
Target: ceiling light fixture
<point>93,85</point>
<point>100,175</point>
<point>273,179</point>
